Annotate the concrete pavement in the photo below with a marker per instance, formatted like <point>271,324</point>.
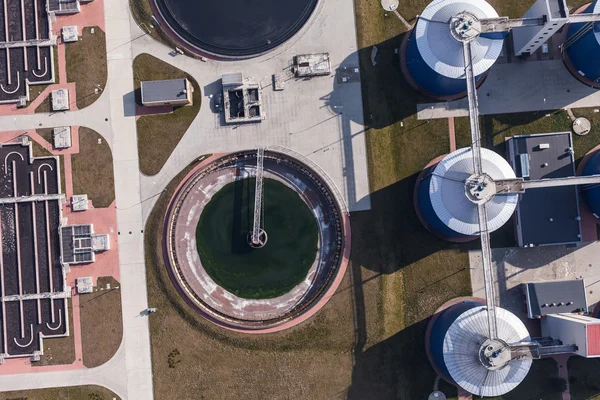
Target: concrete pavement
<point>521,87</point>
<point>320,118</point>
<point>518,265</point>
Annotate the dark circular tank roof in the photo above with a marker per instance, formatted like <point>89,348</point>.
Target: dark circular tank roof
<point>236,28</point>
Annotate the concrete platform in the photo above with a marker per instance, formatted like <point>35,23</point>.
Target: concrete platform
<point>320,117</point>
<point>521,265</point>
<point>520,87</point>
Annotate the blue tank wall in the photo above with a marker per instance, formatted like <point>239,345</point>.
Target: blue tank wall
<point>427,78</point>
<point>427,211</point>
<point>585,53</point>
<point>591,194</point>
<point>438,332</point>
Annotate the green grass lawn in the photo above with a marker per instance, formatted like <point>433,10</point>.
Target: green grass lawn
<point>583,378</point>
<point>86,65</point>
<point>101,322</point>
<point>222,240</point>
<point>93,169</point>
<point>158,135</point>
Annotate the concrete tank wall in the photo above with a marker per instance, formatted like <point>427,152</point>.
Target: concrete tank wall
<point>428,79</point>
<point>584,54</point>
<point>438,333</point>
<point>428,213</point>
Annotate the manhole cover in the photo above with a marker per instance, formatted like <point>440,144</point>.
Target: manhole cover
<point>437,395</point>
<point>582,126</point>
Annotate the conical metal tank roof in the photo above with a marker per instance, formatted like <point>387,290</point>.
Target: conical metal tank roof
<point>451,204</point>
<point>441,51</point>
<point>462,345</point>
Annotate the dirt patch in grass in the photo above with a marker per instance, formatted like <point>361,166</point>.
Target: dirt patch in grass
<point>86,65</point>
<point>58,351</point>
<point>158,135</point>
<point>101,322</point>
<point>38,150</point>
<point>93,169</point>
<point>67,393</point>
<point>45,106</point>
<point>47,134</point>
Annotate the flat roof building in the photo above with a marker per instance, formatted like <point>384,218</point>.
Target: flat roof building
<point>62,137</point>
<point>555,297</point>
<point>167,92</point>
<point>241,99</point>
<point>545,216</point>
<point>60,100</point>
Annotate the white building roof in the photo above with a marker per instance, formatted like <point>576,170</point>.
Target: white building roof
<point>461,352</point>
<point>441,51</point>
<point>60,99</point>
<point>62,137</point>
<point>447,191</point>
<point>69,34</point>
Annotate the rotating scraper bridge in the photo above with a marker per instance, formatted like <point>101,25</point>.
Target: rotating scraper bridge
<point>223,307</point>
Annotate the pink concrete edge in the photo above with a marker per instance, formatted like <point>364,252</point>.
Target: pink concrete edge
<point>311,310</point>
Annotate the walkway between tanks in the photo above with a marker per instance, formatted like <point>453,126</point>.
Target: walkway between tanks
<point>129,372</point>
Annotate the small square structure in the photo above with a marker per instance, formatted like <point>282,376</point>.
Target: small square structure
<point>241,99</point>
<point>307,65</point>
<point>62,137</point>
<point>85,285</point>
<point>167,92</point>
<point>69,34</point>
<point>60,100</point>
<point>79,202</point>
<point>100,243</point>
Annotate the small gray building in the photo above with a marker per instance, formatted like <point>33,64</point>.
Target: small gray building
<point>545,216</point>
<point>167,92</point>
<point>555,297</point>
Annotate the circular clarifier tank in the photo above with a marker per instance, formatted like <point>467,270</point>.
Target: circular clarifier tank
<point>221,271</point>
<point>235,28</point>
<point>257,273</point>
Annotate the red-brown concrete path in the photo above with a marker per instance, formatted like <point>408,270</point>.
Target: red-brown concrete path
<point>452,134</point>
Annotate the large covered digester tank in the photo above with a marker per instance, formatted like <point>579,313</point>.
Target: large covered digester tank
<point>444,205</point>
<point>433,57</point>
<point>584,53</point>
<point>458,344</point>
<point>591,193</point>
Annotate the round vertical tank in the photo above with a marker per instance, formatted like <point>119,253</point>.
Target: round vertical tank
<point>457,344</point>
<point>443,203</point>
<point>583,56</point>
<point>591,194</point>
<point>433,57</point>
